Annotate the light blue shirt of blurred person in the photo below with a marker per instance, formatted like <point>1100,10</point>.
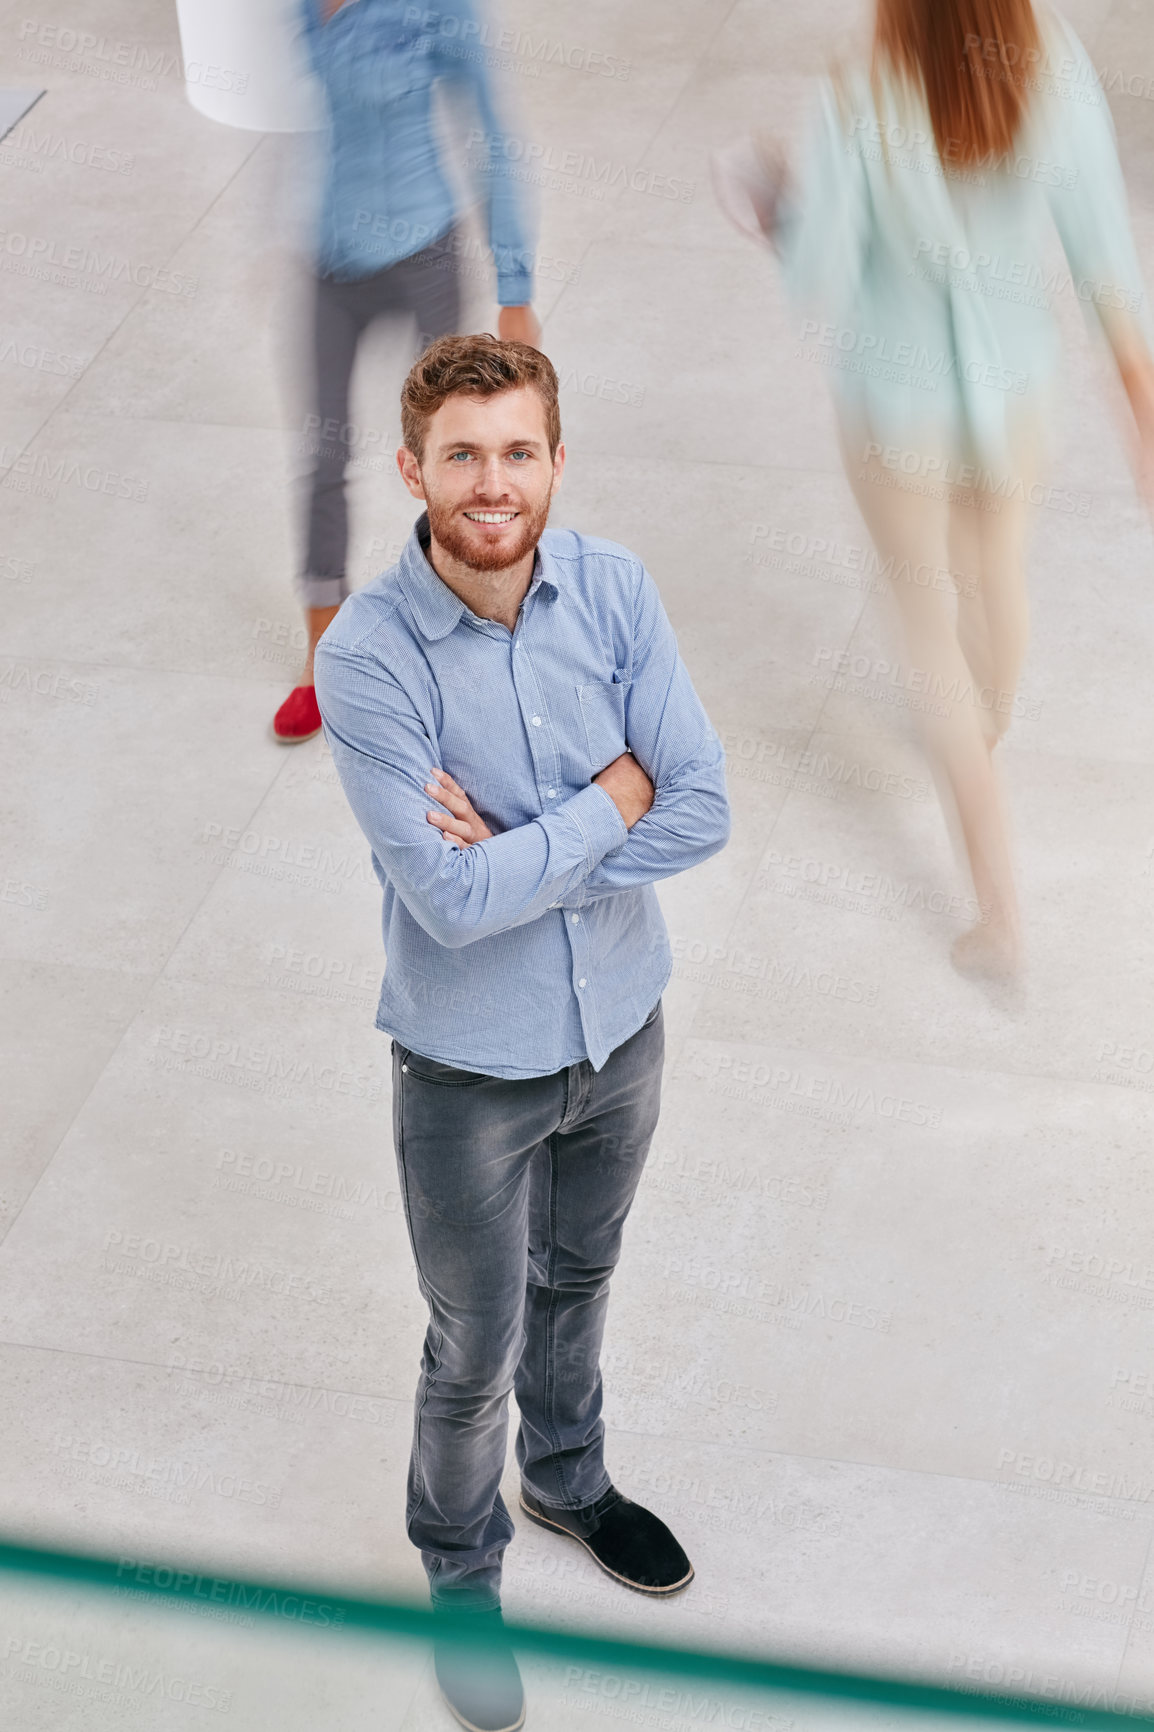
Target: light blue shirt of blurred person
<point>386,194</point>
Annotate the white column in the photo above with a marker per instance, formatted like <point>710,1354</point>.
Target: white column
<point>244,64</point>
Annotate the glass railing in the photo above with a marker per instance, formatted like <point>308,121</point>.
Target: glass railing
<point>101,1643</point>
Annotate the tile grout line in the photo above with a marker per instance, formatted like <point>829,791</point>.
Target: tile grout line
<point>404,1401</point>
<point>690,74</point>
<point>1142,1576</point>
<point>731,1446</point>
<point>129,311</point>
<point>790,793</point>
<point>159,973</point>
<point>152,981</point>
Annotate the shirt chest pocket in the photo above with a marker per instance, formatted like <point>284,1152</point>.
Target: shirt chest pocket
<point>603,712</point>
<point>370,72</point>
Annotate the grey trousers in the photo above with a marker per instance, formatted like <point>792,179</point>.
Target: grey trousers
<point>515,1194</point>
<point>425,288</point>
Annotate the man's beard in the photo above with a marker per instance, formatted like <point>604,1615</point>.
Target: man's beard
<point>450,531</point>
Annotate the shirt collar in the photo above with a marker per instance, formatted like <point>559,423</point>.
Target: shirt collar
<point>435,607</point>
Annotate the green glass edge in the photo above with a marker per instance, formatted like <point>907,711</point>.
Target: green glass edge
<point>395,1618</point>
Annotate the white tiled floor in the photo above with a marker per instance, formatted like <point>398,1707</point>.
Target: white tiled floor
<point>886,1362</point>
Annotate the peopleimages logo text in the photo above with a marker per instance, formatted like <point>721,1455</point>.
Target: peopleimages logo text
<point>576,165</point>
<point>220,1590</point>
<point>39,250</point>
<point>479,32</point>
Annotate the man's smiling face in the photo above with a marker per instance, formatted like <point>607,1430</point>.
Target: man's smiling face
<point>487,477</point>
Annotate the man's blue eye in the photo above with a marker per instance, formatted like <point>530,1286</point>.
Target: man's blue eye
<point>457,454</point>
<point>518,454</point>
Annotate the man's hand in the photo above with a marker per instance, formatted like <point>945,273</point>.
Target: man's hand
<point>628,787</point>
<point>519,325</point>
<point>463,827</point>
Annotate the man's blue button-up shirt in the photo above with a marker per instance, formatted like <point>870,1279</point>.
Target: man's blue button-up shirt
<point>545,944</point>
<point>386,194</point>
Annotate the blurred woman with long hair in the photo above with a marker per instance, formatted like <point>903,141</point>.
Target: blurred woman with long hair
<point>913,240</point>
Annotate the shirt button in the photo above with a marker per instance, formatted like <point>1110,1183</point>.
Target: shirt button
<point>574,918</point>
<point>581,982</point>
<point>552,793</point>
<point>536,721</point>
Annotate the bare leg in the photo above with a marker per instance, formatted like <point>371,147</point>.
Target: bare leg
<point>317,619</point>
<point>987,554</point>
<point>912,530</point>
<point>965,546</point>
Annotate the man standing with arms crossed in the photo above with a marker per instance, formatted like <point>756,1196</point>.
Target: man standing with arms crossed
<point>522,746</point>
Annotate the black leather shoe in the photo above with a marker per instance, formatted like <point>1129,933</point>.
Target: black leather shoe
<point>630,1543</point>
<point>479,1679</point>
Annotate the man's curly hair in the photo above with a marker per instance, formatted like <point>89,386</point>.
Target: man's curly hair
<point>476,366</point>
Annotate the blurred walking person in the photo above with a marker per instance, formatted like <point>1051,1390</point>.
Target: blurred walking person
<point>913,241</point>
<point>389,243</point>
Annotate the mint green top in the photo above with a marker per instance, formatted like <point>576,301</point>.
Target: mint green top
<point>924,284</point>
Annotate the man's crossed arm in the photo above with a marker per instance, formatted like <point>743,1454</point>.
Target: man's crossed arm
<point>623,780</point>
<point>655,811</point>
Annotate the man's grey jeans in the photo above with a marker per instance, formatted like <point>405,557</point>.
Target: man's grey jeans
<point>516,1193</point>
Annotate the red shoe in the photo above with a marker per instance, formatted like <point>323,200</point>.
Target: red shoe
<point>299,717</point>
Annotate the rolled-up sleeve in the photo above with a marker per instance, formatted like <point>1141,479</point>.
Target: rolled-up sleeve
<point>495,161</point>
<point>383,754</point>
<point>670,735</point>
